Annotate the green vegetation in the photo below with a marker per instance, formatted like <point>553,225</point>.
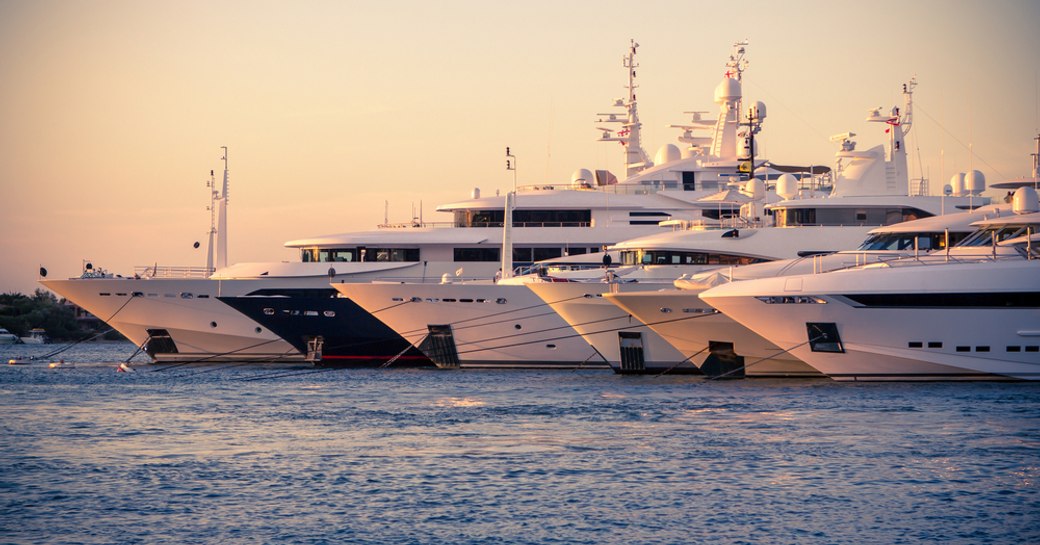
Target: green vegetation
<point>19,313</point>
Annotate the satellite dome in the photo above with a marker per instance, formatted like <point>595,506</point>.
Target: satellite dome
<point>974,183</point>
<point>728,90</point>
<point>582,175</point>
<point>755,188</point>
<point>1025,201</point>
<point>787,186</point>
<point>760,110</point>
<point>957,185</point>
<point>667,154</point>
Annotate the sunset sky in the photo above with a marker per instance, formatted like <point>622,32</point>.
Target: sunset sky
<point>113,112</point>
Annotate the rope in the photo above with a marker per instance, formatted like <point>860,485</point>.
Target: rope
<point>672,368</point>
<point>66,347</point>
<point>476,318</point>
<point>390,361</point>
<point>578,334</point>
<point>744,367</point>
<point>212,356</point>
<point>74,343</point>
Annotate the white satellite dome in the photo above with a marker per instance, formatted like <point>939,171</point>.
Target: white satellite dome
<point>957,184</point>
<point>755,188</point>
<point>582,175</point>
<point>667,154</point>
<point>1025,201</point>
<point>787,186</point>
<point>728,90</point>
<point>759,110</point>
<point>974,183</point>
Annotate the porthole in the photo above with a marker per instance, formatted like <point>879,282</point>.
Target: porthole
<point>518,326</point>
<point>258,330</point>
<point>268,311</point>
<point>213,324</point>
<point>501,300</point>
<point>665,310</point>
<point>330,313</point>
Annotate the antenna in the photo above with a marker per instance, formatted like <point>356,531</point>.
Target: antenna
<point>511,165</point>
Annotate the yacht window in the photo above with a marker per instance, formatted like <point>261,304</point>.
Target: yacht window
<point>541,254</point>
<point>524,218</point>
<point>675,257</point>
<point>689,181</point>
<point>477,254</point>
<point>787,217</point>
<point>986,237</point>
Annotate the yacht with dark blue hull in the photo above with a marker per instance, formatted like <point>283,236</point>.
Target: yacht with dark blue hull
<point>332,331</point>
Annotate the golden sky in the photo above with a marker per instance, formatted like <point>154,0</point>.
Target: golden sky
<point>113,112</point>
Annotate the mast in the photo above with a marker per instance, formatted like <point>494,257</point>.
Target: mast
<point>507,236</point>
<point>218,256</point>
<point>729,96</point>
<point>630,134</point>
<point>213,195</point>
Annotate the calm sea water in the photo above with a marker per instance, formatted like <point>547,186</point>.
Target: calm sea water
<point>250,454</point>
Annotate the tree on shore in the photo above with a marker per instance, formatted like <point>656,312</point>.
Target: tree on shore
<point>19,313</point>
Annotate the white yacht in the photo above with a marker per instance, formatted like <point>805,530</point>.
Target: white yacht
<point>971,312</point>
<point>37,335</point>
<point>457,325</point>
<point>6,337</point>
<point>692,327</point>
<point>180,314</point>
<point>870,188</point>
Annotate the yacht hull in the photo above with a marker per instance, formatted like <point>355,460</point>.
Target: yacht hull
<point>177,320</point>
<point>484,325</point>
<point>967,321</point>
<point>625,343</point>
<point>691,325</point>
<point>333,331</point>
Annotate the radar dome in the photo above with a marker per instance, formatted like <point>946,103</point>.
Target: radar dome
<point>957,185</point>
<point>787,186</point>
<point>728,90</point>
<point>667,154</point>
<point>759,111</point>
<point>1025,201</point>
<point>974,183</point>
<point>755,188</point>
<point>582,175</point>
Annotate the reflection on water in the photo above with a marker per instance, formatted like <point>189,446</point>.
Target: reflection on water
<point>248,454</point>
